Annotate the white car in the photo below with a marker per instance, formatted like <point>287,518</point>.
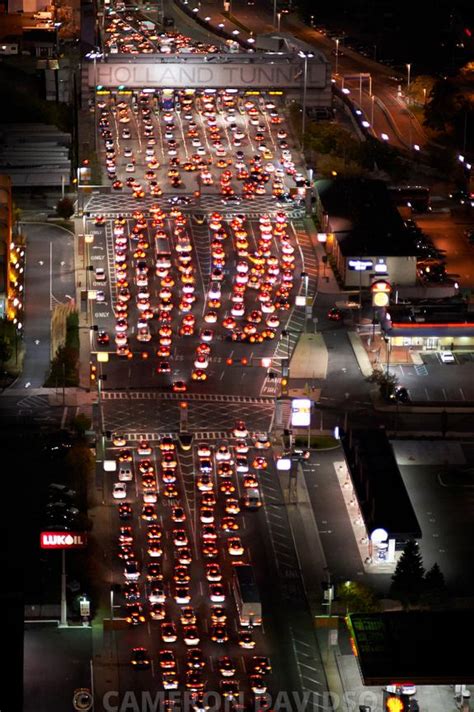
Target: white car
<point>125,474</point>
<point>100,296</point>
<point>223,453</point>
<point>100,275</point>
<point>130,168</point>
<point>127,152</point>
<point>119,490</point>
<point>150,497</point>
<point>447,357</point>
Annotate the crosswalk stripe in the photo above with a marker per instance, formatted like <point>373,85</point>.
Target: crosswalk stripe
<point>204,397</point>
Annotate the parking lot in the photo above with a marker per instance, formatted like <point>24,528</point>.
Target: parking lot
<point>435,381</point>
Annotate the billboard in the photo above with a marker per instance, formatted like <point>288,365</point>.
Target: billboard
<point>301,412</point>
<point>200,75</point>
<point>63,540</point>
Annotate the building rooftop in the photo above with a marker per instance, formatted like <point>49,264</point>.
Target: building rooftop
<point>363,218</point>
<point>381,492</point>
<point>421,647</point>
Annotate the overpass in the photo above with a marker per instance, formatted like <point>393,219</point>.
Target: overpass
<point>283,72</point>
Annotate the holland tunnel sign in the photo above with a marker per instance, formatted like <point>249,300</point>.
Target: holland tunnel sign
<point>63,540</point>
<point>175,75</point>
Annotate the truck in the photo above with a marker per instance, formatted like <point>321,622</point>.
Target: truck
<point>147,25</point>
<point>247,597</point>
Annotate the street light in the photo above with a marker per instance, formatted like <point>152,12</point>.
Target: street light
<point>408,81</point>
<point>305,56</point>
<point>337,56</point>
<point>274,12</point>
<point>372,105</point>
<point>95,55</point>
<point>279,20</point>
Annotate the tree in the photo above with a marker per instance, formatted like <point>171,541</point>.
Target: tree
<point>357,597</point>
<point>6,350</point>
<point>387,382</point>
<point>408,579</point>
<point>65,208</point>
<point>81,423</point>
<point>435,592</point>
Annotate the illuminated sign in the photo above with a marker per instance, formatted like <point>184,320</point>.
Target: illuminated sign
<point>280,74</point>
<point>360,265</point>
<point>394,704</point>
<point>301,412</point>
<point>63,540</point>
<point>381,290</point>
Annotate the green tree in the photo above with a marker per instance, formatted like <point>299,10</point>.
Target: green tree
<point>446,101</point>
<point>6,350</point>
<point>387,382</point>
<point>65,208</point>
<point>357,597</point>
<point>408,579</point>
<point>81,423</point>
<point>435,592</point>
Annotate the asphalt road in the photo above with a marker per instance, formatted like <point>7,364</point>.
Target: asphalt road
<point>49,280</point>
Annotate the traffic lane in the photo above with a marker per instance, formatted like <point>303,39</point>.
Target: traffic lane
<point>445,517</point>
<point>131,638</point>
<point>138,140</point>
<point>447,234</point>
<point>38,303</point>
<point>147,413</point>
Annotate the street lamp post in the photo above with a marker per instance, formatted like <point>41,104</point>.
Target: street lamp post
<point>274,12</point>
<point>387,346</point>
<point>279,20</point>
<point>408,81</point>
<point>372,105</point>
<point>337,56</point>
<point>306,56</point>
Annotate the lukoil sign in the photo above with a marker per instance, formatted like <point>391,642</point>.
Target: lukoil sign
<point>63,540</point>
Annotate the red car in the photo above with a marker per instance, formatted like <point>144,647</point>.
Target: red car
<point>335,314</point>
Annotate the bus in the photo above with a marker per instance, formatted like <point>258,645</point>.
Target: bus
<point>162,256</point>
<point>415,197</point>
<point>246,596</point>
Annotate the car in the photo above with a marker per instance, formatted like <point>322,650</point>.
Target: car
<point>260,665</point>
<point>257,684</point>
<point>262,441</point>
<point>144,448</point>
<point>125,512</point>
<point>223,453</point>
<point>260,463</point>
<point>232,506</point>
<point>245,640</point>
<point>226,666</point>
<point>178,514</point>
<point>401,395</point>
<point>336,314</point>
<point>119,490</point>
<point>195,659</point>
<point>135,614</point>
<point>447,357</point>
<point>149,513</point>
<point>229,524</point>
<point>168,632</point>
<point>240,430</point>
<point>125,474</point>
<point>180,538</point>
<point>170,680</point>
<point>167,659</point>
<point>194,681</point>
<point>191,635</point>
<point>219,633</point>
<point>140,658</point>
<point>157,593</point>
<point>182,594</point>
<point>216,592</point>
<point>157,611</point>
<point>187,616</point>
<point>229,689</point>
<point>154,571</point>
<point>100,296</point>
<point>103,338</point>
